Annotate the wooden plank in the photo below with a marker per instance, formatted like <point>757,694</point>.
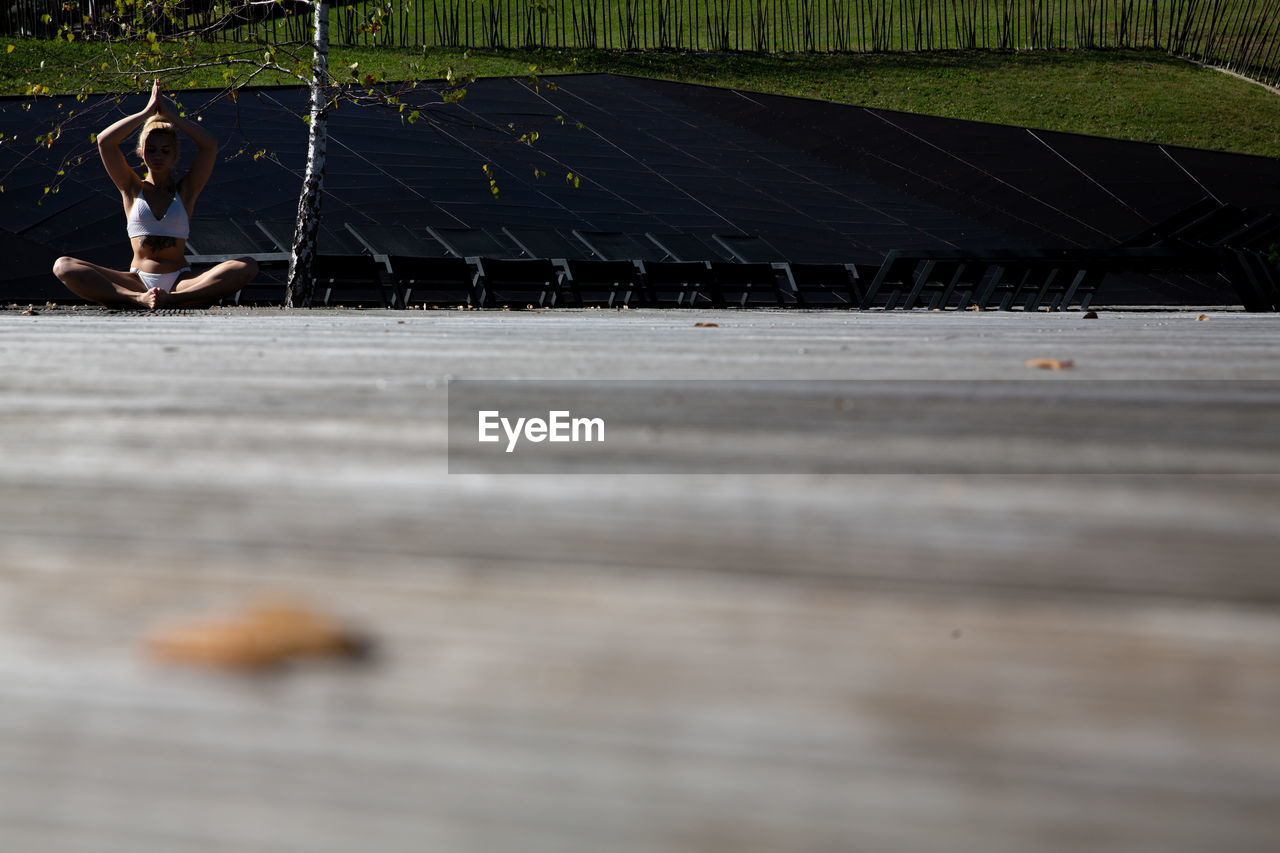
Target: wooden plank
<point>799,662</point>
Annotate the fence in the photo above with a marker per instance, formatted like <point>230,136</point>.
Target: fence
<point>1240,35</point>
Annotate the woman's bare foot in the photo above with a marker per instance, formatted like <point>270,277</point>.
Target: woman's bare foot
<point>153,298</point>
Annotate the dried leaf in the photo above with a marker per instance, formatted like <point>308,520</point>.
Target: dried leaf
<point>1091,315</point>
<point>1202,317</point>
<point>706,325</point>
<point>1051,363</point>
<point>261,636</point>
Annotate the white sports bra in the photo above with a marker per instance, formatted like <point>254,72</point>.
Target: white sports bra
<point>143,221</point>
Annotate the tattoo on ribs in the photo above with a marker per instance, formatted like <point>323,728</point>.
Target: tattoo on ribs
<point>157,242</point>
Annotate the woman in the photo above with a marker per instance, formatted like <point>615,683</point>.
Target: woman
<point>158,207</point>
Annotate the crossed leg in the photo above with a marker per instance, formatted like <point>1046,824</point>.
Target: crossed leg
<point>105,286</point>
<point>114,288</point>
<point>210,286</point>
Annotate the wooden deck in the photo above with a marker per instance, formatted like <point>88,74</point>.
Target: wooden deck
<point>779,663</point>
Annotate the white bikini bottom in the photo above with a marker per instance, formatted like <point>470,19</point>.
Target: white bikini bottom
<point>163,280</point>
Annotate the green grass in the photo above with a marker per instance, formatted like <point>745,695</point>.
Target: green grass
<point>1145,96</point>
<point>1140,95</point>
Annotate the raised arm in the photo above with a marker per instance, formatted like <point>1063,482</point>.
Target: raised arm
<point>113,159</point>
<point>201,162</point>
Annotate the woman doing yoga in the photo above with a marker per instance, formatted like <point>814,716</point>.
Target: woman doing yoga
<point>158,207</point>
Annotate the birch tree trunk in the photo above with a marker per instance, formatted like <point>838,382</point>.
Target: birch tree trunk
<point>307,225</point>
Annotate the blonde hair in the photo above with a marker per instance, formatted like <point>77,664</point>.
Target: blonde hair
<point>162,126</point>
